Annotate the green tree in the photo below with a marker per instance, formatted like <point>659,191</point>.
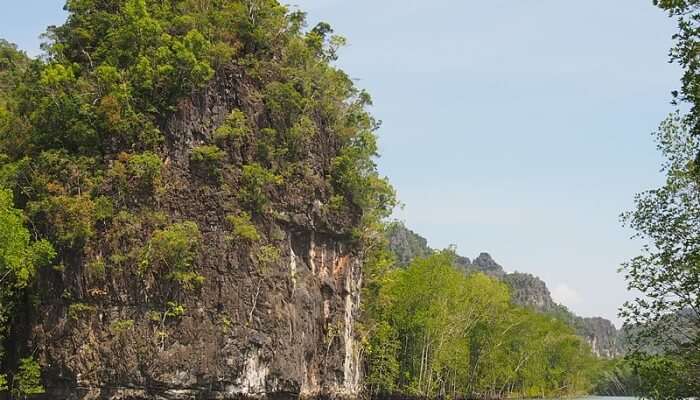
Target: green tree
<point>27,380</point>
<point>13,62</point>
<point>665,318</point>
<point>173,250</point>
<point>20,259</point>
<point>439,332</point>
<point>256,182</point>
<point>242,227</point>
<point>685,53</point>
<point>383,352</point>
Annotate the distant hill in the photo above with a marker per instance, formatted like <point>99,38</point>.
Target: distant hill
<point>406,244</point>
<point>527,290</point>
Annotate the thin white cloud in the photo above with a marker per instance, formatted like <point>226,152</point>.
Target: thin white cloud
<point>566,295</point>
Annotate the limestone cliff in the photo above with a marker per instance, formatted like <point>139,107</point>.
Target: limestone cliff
<point>483,263</point>
<point>406,244</point>
<point>530,291</point>
<point>284,329</point>
<point>604,338</point>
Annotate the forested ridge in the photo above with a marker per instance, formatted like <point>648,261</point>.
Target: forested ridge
<point>439,332</point>
<point>190,207</point>
<point>526,290</point>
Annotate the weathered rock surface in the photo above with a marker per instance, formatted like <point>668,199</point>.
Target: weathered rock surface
<point>283,331</point>
<point>486,264</point>
<point>529,290</point>
<point>602,335</point>
<point>406,244</point>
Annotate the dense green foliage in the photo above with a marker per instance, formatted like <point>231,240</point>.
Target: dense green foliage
<point>172,251</point>
<point>664,322</point>
<point>234,128</point>
<point>242,228</point>
<point>438,332</point>
<point>27,381</point>
<point>12,64</point>
<point>209,159</point>
<point>19,260</point>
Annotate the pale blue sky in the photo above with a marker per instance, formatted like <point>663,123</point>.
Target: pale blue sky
<point>517,127</point>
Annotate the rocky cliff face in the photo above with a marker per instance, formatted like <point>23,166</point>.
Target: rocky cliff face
<point>483,263</point>
<point>529,290</point>
<point>284,329</point>
<point>526,290</point>
<point>602,335</point>
<point>406,244</point>
<point>488,265</point>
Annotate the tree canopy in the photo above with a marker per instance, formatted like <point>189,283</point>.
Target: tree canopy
<point>19,260</point>
<point>439,332</point>
<point>664,322</point>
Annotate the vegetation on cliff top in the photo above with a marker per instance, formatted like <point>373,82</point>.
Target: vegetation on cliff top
<point>83,166</point>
